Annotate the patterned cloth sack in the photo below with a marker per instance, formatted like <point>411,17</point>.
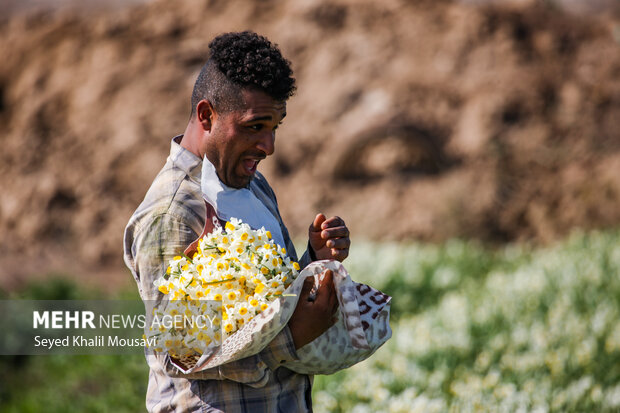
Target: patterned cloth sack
<point>363,324</point>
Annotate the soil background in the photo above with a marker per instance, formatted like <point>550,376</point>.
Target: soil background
<point>413,120</point>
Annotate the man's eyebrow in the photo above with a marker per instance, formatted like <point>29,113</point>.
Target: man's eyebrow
<point>259,118</point>
<point>266,117</point>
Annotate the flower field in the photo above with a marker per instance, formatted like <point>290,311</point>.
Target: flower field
<point>510,330</point>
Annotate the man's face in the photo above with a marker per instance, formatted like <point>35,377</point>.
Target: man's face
<point>240,139</point>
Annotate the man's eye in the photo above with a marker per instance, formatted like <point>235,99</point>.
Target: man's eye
<point>256,128</point>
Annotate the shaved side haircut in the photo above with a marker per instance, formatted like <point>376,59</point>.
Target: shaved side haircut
<point>240,61</point>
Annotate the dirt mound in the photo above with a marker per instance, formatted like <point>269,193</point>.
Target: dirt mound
<point>413,119</point>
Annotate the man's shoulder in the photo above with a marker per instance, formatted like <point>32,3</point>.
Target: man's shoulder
<point>173,194</point>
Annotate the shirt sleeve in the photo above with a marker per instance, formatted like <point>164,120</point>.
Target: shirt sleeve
<point>153,246</point>
<point>306,258</point>
<point>253,371</point>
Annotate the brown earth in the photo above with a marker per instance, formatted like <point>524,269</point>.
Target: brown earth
<point>413,120</point>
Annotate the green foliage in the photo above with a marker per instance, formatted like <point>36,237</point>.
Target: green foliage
<point>54,288</point>
<point>61,287</point>
<point>511,329</point>
<point>93,383</point>
<point>66,383</point>
<point>418,276</point>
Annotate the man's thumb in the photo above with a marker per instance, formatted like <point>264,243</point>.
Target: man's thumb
<point>318,220</point>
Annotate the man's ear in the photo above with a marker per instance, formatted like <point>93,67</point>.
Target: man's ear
<point>205,114</point>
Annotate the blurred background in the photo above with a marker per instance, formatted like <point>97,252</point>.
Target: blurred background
<point>473,147</point>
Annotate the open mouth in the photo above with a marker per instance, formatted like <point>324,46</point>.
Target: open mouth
<point>250,165</point>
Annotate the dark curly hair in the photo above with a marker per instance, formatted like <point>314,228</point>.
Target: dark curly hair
<point>242,60</point>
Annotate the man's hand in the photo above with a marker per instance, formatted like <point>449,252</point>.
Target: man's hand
<point>312,318</point>
<point>209,227</point>
<point>329,238</point>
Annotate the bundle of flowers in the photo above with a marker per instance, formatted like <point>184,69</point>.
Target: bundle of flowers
<point>235,274</point>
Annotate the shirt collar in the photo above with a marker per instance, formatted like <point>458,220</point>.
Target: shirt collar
<point>185,160</point>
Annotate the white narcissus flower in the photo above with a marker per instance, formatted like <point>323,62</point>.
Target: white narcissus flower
<point>234,275</point>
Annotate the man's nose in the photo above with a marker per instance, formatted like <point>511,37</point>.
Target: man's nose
<point>267,142</point>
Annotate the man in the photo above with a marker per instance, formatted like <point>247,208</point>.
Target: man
<point>238,101</point>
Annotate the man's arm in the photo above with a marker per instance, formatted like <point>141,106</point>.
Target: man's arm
<point>253,371</point>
